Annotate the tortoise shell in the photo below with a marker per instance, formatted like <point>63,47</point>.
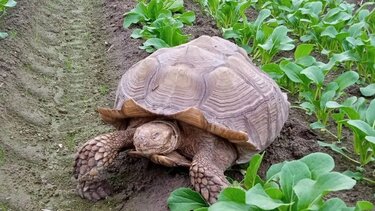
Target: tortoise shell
<point>209,83</point>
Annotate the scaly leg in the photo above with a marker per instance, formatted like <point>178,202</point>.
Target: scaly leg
<point>208,166</point>
<point>92,160</point>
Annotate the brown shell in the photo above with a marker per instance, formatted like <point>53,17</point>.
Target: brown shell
<point>209,83</point>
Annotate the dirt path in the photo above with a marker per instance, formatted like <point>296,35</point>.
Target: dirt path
<point>62,60</point>
<point>51,75</point>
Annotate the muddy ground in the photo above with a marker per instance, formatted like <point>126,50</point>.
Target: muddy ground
<point>62,60</point>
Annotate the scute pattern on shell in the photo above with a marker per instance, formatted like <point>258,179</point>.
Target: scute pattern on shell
<point>216,77</point>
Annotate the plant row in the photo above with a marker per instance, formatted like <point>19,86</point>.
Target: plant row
<point>330,29</point>
<point>291,185</point>
<point>161,23</point>
<point>4,5</point>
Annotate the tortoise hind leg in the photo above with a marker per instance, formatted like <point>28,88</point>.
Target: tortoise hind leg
<point>92,160</point>
<point>208,166</point>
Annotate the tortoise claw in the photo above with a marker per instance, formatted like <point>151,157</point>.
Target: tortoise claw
<point>94,191</point>
<point>207,180</point>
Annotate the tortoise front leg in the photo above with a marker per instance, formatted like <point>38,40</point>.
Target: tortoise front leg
<point>208,166</point>
<point>92,160</point>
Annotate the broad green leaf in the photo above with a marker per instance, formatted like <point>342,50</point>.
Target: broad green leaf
<point>335,16</point>
<point>309,107</point>
<point>273,70</point>
<point>362,126</point>
<point>290,174</point>
<point>229,206</point>
<point>274,170</point>
<point>185,199</point>
<point>263,14</point>
<point>370,113</point>
<point>346,79</point>
<point>137,33</point>
<point>292,71</point>
<point>356,29</point>
<point>153,43</point>
<point>230,33</point>
<point>11,3</point>
<point>369,90</point>
<point>334,181</point>
<point>347,109</point>
<point>333,104</point>
<point>174,5</point>
<point>309,191</point>
<point>370,139</point>
<point>364,205</point>
<point>131,18</point>
<point>333,204</point>
<point>232,194</point>
<point>273,190</point>
<point>326,96</point>
<point>252,171</point>
<point>319,163</point>
<point>335,148</point>
<point>354,41</point>
<point>354,175</point>
<point>330,31</point>
<point>3,35</point>
<point>304,191</point>
<point>187,17</point>
<point>312,9</point>
<point>258,197</point>
<point>344,56</point>
<point>278,40</point>
<point>303,50</point>
<point>315,74</point>
<point>306,61</point>
<point>317,125</point>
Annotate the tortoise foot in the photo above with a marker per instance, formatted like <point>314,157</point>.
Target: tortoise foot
<point>208,180</point>
<point>94,191</point>
<point>92,162</point>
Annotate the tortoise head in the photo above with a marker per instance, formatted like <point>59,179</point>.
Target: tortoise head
<point>156,137</point>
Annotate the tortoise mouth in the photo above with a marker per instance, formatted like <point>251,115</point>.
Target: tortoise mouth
<point>157,137</point>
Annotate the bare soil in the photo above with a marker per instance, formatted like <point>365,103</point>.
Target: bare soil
<point>62,60</point>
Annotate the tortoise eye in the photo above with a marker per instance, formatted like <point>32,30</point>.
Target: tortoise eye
<point>154,135</point>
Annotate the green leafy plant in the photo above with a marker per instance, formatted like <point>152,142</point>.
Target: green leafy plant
<point>245,32</point>
<point>4,5</point>
<point>162,23</point>
<point>274,42</point>
<point>226,12</point>
<point>291,185</point>
<point>354,113</point>
<point>164,32</point>
<point>147,12</point>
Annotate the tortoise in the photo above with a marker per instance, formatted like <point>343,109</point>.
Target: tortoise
<point>203,105</point>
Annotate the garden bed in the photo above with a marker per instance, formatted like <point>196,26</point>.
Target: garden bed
<point>61,61</point>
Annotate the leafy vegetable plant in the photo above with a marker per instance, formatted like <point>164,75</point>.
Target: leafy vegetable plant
<point>146,13</point>
<point>162,22</point>
<point>164,32</point>
<point>244,32</point>
<point>291,185</point>
<point>360,118</point>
